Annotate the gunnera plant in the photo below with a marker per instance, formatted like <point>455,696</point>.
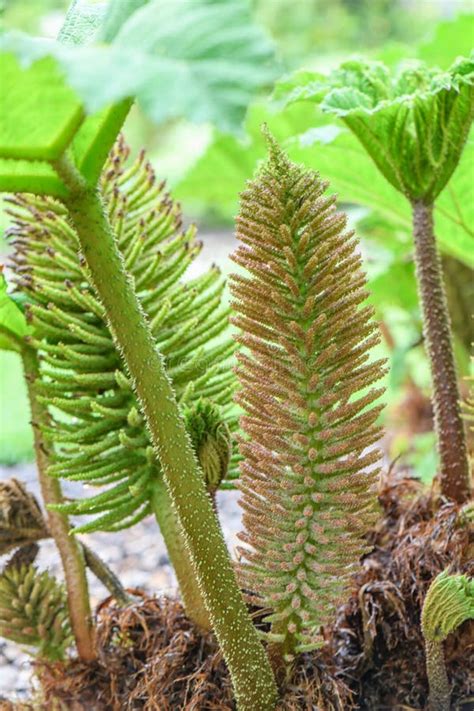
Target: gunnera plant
<point>309,469</point>
<point>414,125</point>
<point>95,431</point>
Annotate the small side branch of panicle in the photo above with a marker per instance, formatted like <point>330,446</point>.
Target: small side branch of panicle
<point>308,392</point>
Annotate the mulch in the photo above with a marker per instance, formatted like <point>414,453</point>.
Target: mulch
<point>152,658</point>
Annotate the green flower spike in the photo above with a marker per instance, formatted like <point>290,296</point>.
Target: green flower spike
<point>309,467</point>
<point>33,611</point>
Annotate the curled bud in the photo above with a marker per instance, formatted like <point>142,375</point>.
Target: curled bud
<point>448,603</point>
<point>211,440</point>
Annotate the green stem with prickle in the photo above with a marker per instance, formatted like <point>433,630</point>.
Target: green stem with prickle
<point>179,556</point>
<point>437,332</point>
<point>69,548</point>
<point>440,689</point>
<point>106,576</point>
<point>248,664</point>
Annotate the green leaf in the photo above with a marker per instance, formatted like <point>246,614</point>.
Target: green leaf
<point>42,118</point>
<point>413,125</point>
<point>26,176</point>
<point>16,436</point>
<point>13,326</point>
<point>118,12</point>
<point>234,160</point>
<point>83,21</point>
<point>448,603</point>
<point>24,134</point>
<point>394,285</point>
<point>201,60</point>
<point>451,39</point>
<point>299,86</point>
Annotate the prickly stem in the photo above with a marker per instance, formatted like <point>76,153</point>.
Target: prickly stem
<point>106,576</point>
<point>248,665</point>
<point>69,548</point>
<point>454,474</point>
<point>179,556</point>
<point>440,689</point>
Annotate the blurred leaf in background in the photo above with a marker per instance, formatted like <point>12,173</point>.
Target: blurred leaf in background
<point>203,60</point>
<point>16,437</point>
<point>311,30</point>
<point>418,454</point>
<point>448,40</point>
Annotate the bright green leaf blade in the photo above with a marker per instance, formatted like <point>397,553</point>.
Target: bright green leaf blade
<point>201,60</point>
<point>451,39</point>
<point>13,324</point>
<point>22,176</point>
<point>454,209</point>
<point>118,12</point>
<point>39,113</point>
<point>394,286</point>
<point>16,436</point>
<point>299,86</point>
<point>413,124</point>
<point>85,21</point>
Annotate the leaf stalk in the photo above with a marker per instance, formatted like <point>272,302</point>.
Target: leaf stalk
<point>69,548</point>
<point>454,474</point>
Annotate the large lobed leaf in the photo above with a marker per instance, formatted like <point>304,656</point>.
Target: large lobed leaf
<point>201,60</point>
<point>451,38</point>
<point>413,124</point>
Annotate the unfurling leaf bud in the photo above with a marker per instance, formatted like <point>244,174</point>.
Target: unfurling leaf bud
<point>211,440</point>
<point>448,603</point>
